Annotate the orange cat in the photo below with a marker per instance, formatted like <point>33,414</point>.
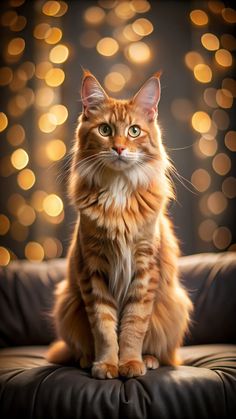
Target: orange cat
<point>121,309</point>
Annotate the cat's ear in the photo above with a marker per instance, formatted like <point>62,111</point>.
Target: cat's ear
<point>92,93</point>
<point>148,96</point>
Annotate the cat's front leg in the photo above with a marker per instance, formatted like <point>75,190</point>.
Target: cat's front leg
<point>102,313</point>
<point>134,323</point>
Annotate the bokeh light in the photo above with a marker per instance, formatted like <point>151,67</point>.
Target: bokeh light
<point>229,187</point>
<point>16,46</point>
<point>201,121</point>
<point>201,180</point>
<point>222,237</point>
<point>199,17</point>
<point>34,252</point>
<point>26,179</point>
<point>19,158</point>
<point>193,58</point>
<point>4,256</point>
<point>94,15</point>
<point>55,77</point>
<point>217,202</point>
<point>4,224</point>
<point>55,150</point>
<point>53,205</point>
<point>221,164</point>
<point>206,229</point>
<point>59,54</point>
<point>202,73</point>
<point>223,58</point>
<point>230,140</point>
<point>107,46</point>
<point>210,41</point>
<point>114,81</point>
<point>139,52</point>
<point>142,27</point>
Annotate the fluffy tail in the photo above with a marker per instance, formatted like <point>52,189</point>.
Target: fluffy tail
<point>59,353</point>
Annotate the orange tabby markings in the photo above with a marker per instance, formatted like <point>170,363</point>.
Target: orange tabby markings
<point>121,308</point>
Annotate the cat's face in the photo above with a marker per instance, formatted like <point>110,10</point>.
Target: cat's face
<point>118,134</point>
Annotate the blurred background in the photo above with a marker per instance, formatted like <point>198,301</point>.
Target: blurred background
<point>43,46</point>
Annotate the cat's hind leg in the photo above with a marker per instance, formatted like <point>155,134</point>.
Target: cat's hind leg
<point>73,329</point>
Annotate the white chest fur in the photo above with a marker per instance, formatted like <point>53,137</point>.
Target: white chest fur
<point>121,271</point>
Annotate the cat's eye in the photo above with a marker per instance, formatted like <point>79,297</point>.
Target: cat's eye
<point>134,131</point>
<point>105,130</point>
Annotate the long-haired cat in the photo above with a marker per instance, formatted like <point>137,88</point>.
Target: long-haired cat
<point>121,308</point>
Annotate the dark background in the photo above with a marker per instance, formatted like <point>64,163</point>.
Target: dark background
<point>204,216</point>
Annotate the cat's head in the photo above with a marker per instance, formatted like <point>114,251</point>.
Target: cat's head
<point>119,136</point>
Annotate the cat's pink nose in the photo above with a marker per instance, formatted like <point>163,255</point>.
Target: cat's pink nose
<point>119,149</point>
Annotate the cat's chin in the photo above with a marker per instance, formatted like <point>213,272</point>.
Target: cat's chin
<point>120,165</point>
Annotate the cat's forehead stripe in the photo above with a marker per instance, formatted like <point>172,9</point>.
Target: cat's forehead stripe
<point>120,113</point>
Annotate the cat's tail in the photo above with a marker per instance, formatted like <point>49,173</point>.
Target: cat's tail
<point>59,353</point>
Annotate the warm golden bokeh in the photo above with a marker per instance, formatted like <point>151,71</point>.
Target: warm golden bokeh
<point>201,122</point>
<point>206,229</point>
<point>193,58</point>
<point>19,158</point>
<point>55,150</point>
<point>114,81</point>
<point>230,140</point>
<point>223,58</point>
<point>210,41</point>
<point>53,205</point>
<point>202,73</point>
<point>201,180</point>
<point>142,27</point>
<point>199,17</point>
<point>59,54</point>
<point>4,224</point>
<point>34,252</point>
<point>217,202</point>
<point>4,256</point>
<point>54,77</point>
<point>138,52</point>
<point>3,121</point>
<point>26,179</point>
<point>107,46</point>
<point>94,15</point>
<point>221,164</point>
<point>222,237</point>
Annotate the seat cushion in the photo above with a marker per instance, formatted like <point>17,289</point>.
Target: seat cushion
<point>203,387</point>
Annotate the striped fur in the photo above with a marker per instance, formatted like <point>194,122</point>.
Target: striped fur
<point>121,308</point>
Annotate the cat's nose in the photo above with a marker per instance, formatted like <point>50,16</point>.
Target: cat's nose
<point>119,149</point>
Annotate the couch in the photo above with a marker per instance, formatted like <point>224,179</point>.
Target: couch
<point>203,387</point>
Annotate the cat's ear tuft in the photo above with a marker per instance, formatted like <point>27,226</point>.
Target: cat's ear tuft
<point>148,96</point>
<point>92,93</point>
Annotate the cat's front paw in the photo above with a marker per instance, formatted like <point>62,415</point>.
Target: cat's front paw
<point>104,370</point>
<point>132,368</point>
<point>151,362</point>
